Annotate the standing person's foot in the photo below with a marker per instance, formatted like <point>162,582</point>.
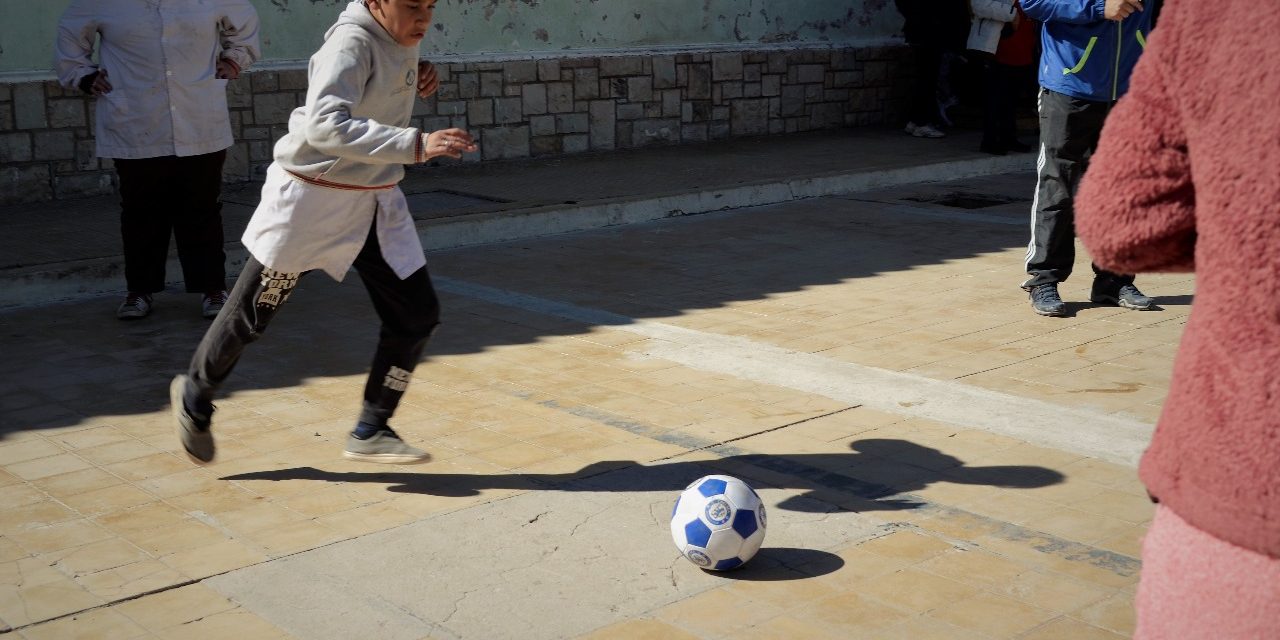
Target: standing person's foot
<point>1046,301</point>
<point>385,447</point>
<point>213,303</point>
<point>193,430</point>
<point>1127,296</point>
<point>135,305</point>
<point>924,131</point>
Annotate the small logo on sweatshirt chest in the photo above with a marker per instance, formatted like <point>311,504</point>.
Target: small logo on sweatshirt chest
<point>410,76</point>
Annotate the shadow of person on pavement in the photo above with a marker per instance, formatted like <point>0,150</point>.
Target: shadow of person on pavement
<point>878,476</point>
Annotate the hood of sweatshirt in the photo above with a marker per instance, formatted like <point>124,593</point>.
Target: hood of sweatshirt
<point>357,13</point>
<point>355,129</point>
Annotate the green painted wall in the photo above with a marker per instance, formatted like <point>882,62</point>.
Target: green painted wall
<point>292,29</point>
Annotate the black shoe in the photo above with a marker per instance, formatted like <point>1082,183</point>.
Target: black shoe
<point>1127,296</point>
<point>1046,301</point>
<point>193,432</point>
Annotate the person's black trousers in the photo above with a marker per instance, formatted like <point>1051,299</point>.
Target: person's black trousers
<point>174,195</point>
<point>408,308</point>
<point>1069,132</point>
<point>999,121</point>
<point>924,88</point>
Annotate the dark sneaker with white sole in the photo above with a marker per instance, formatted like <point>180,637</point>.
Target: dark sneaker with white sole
<point>1127,296</point>
<point>1046,301</point>
<point>135,305</point>
<point>384,447</point>
<point>193,432</point>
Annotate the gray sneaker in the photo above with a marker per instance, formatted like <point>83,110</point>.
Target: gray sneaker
<point>195,437</point>
<point>385,447</point>
<point>1046,301</point>
<point>1127,296</point>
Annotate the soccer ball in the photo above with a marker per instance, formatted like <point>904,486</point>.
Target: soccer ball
<point>718,522</point>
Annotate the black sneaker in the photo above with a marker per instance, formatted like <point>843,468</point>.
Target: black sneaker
<point>385,447</point>
<point>1046,301</point>
<point>193,433</point>
<point>1127,296</point>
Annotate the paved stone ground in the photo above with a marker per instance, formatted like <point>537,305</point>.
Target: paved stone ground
<point>934,456</point>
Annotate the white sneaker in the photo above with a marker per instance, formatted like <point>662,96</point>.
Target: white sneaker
<point>213,303</point>
<point>135,305</point>
<point>910,129</point>
<point>928,131</point>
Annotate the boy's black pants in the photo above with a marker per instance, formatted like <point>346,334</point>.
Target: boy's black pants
<point>1069,132</point>
<point>408,308</point>
<point>179,196</point>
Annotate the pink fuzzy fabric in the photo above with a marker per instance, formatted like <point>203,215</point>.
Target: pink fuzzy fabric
<point>1187,176</point>
<point>1197,586</point>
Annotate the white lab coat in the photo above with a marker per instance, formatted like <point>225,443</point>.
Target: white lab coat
<point>299,226</point>
<point>160,57</point>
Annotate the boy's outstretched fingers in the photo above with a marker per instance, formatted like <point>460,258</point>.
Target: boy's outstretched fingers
<point>451,143</point>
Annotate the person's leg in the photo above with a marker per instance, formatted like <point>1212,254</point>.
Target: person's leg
<point>1069,129</point>
<point>197,222</point>
<point>1006,124</point>
<point>256,298</point>
<point>254,301</point>
<point>924,94</point>
<point>994,100</point>
<point>144,225</point>
<point>1195,585</point>
<point>410,313</point>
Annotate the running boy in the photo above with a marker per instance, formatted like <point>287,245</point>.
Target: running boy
<point>331,201</point>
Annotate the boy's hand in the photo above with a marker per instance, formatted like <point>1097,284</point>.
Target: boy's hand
<point>428,80</point>
<point>1120,9</point>
<point>227,70</point>
<point>451,143</point>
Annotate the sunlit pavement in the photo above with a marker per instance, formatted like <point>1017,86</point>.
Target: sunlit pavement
<point>937,461</point>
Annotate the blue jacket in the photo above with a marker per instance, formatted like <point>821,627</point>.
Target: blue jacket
<point>1084,54</point>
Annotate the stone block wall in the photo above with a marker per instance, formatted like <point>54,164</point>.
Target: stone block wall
<point>517,109</point>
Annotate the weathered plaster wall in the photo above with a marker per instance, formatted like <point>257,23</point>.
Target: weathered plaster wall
<point>530,77</point>
<point>292,29</point>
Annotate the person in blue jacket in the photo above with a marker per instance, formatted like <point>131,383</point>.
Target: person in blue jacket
<point>1089,50</point>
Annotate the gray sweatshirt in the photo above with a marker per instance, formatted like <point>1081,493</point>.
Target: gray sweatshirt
<point>353,129</point>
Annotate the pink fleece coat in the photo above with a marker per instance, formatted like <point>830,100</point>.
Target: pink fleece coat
<point>1187,177</point>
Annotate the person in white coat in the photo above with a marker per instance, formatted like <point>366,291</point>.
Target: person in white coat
<point>1002,39</point>
<point>331,201</point>
<point>161,116</point>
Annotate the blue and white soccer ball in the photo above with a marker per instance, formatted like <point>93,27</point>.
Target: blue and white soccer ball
<point>718,522</point>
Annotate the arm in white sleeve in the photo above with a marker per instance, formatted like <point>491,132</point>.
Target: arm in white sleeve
<point>73,49</point>
<point>336,85</point>
<point>1000,10</point>
<point>239,31</point>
